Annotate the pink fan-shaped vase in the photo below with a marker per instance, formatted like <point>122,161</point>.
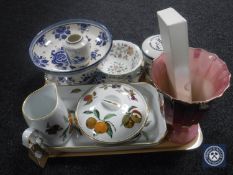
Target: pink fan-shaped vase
<point>210,78</point>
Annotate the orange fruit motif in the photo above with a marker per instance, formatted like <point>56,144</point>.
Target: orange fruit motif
<point>88,98</point>
<point>101,127</point>
<point>91,122</point>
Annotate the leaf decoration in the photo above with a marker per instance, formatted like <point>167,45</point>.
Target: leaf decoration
<point>126,90</point>
<point>147,123</point>
<point>64,133</point>
<point>65,119</point>
<point>77,90</point>
<point>108,116</point>
<point>110,123</point>
<point>132,107</point>
<point>96,113</point>
<point>53,129</point>
<point>70,129</point>
<point>109,131</point>
<point>88,112</point>
<point>71,111</point>
<point>145,135</point>
<point>78,131</point>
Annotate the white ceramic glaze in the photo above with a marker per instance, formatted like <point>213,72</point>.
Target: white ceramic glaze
<point>152,48</point>
<point>174,33</point>
<point>26,136</point>
<point>47,50</point>
<point>152,133</point>
<point>84,77</point>
<point>78,49</point>
<point>45,112</point>
<point>112,113</point>
<point>123,63</point>
<point>32,137</point>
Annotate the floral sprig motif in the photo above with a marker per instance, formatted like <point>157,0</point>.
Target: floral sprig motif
<point>61,32</point>
<point>40,60</point>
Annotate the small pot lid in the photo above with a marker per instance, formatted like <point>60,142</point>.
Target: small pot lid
<point>123,58</point>
<point>112,113</point>
<point>47,52</point>
<point>152,47</point>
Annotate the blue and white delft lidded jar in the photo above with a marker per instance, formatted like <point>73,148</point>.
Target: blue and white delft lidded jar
<point>68,52</point>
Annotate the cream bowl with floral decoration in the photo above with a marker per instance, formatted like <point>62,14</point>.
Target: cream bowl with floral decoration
<point>123,62</point>
<point>112,113</point>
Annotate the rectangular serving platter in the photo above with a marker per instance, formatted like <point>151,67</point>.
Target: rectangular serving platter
<point>163,146</point>
<point>153,136</point>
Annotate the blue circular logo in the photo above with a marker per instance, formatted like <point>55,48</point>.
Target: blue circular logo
<point>214,156</point>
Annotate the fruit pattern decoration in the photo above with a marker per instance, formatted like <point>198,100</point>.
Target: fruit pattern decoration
<point>99,125</point>
<point>131,117</point>
<point>89,98</point>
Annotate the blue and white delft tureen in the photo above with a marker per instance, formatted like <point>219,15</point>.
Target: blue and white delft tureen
<point>50,52</point>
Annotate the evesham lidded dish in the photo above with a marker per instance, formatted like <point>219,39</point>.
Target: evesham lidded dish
<point>69,51</point>
<point>112,113</point>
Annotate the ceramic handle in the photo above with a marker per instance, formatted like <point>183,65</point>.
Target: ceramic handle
<point>111,104</point>
<point>31,136</point>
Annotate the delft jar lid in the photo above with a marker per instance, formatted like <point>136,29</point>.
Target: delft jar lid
<point>152,47</point>
<point>123,58</point>
<point>47,51</point>
<point>112,113</point>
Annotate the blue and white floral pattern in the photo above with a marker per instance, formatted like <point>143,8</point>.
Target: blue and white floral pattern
<point>95,54</point>
<point>40,60</point>
<point>41,41</point>
<point>99,78</point>
<point>61,32</point>
<point>78,60</point>
<point>88,38</point>
<point>102,39</point>
<point>84,27</point>
<point>49,42</point>
<point>59,58</point>
<point>66,80</point>
<point>86,78</point>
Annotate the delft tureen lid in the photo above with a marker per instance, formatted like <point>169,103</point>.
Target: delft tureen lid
<point>47,51</point>
<point>112,113</point>
<point>152,46</point>
<point>123,58</point>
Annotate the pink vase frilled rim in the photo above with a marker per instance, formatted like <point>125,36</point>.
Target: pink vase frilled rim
<point>210,77</point>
